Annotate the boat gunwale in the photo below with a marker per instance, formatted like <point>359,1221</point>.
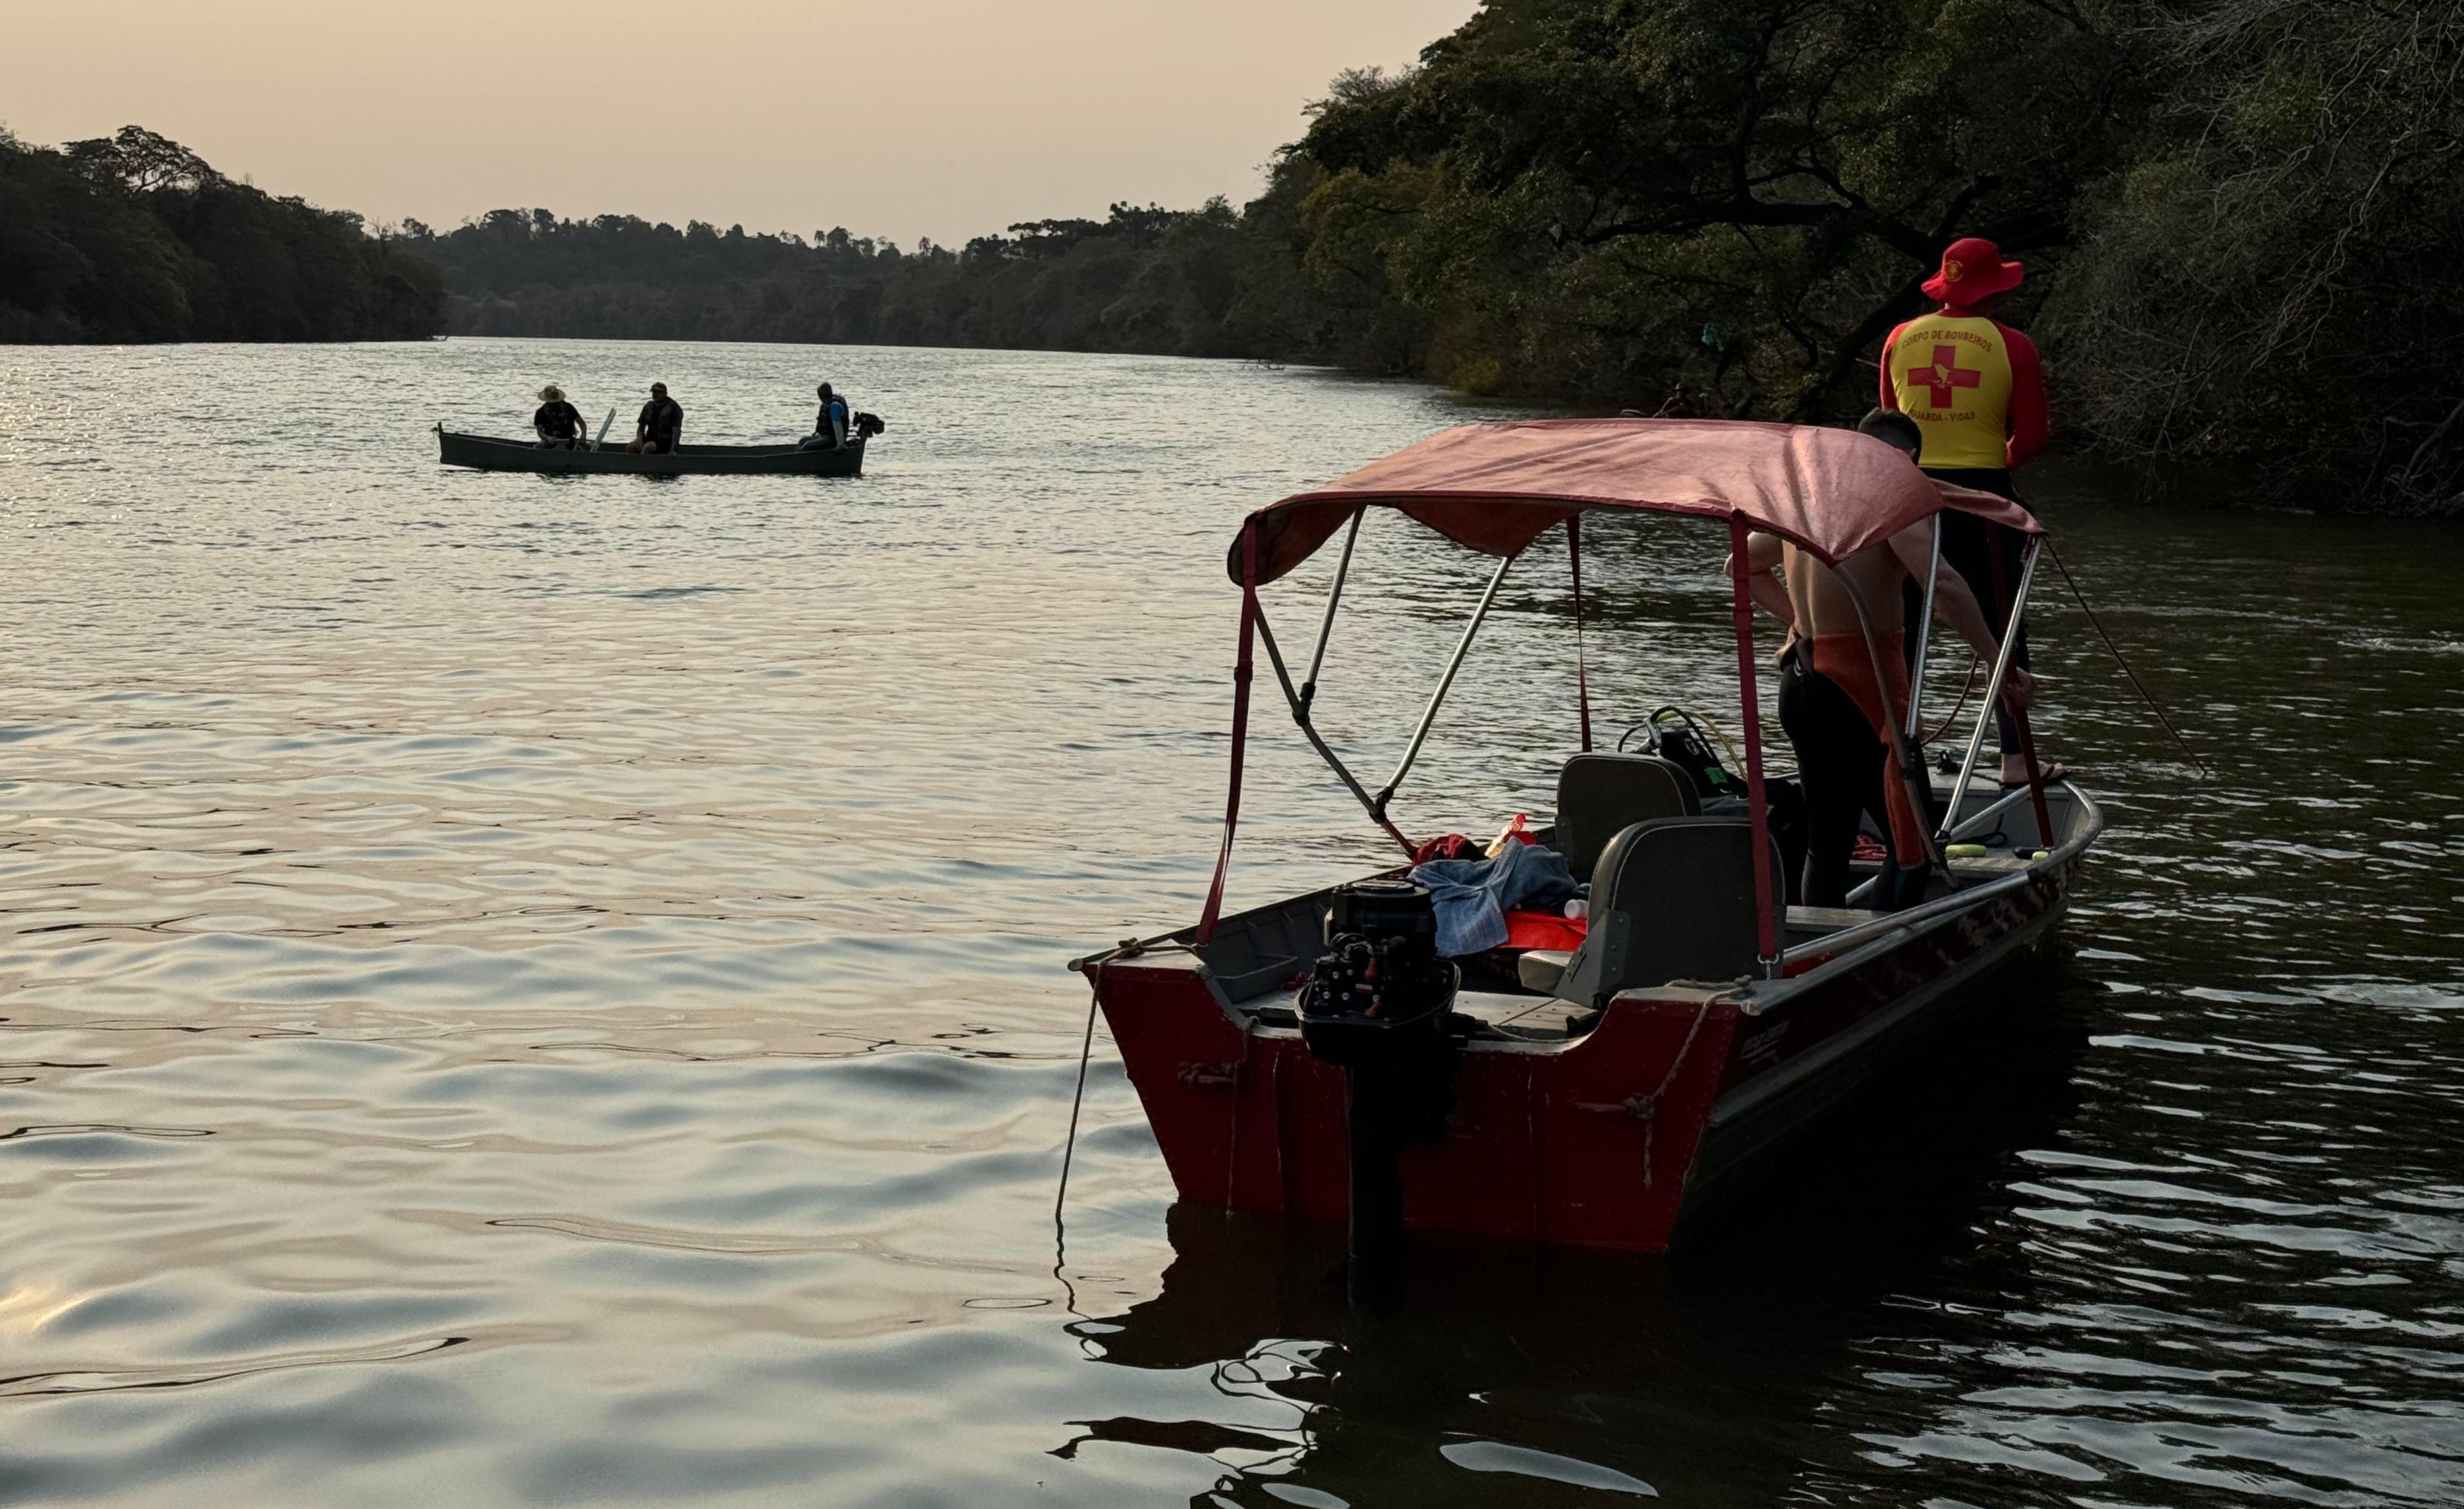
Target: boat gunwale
<point>484,452</point>
<point>1178,951</point>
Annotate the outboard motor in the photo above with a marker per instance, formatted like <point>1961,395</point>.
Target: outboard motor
<point>1376,1005</point>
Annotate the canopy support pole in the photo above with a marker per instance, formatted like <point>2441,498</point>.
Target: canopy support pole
<point>2027,735</point>
<point>1333,599</point>
<point>1582,666</point>
<point>1757,807</point>
<point>1308,730</point>
<point>1924,637</point>
<point>1993,688</point>
<point>1904,757</point>
<point>1463,648</point>
<point>1242,671</point>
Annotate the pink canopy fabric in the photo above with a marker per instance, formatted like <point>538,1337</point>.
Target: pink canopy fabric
<point>1496,487</point>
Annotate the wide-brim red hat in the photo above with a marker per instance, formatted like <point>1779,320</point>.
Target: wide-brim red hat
<point>1972,270</point>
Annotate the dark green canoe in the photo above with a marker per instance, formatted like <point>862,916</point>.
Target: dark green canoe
<point>491,454</point>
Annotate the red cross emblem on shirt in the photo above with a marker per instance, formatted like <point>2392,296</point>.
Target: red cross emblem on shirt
<point>1945,376</point>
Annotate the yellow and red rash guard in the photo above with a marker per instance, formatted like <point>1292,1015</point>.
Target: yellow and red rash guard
<point>1973,385</point>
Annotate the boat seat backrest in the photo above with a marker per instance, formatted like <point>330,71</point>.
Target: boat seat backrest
<point>1672,899</point>
<point>1601,795</point>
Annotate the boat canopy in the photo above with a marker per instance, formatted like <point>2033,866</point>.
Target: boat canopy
<point>1496,487</point>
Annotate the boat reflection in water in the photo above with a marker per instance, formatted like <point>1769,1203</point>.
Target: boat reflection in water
<point>1723,1373</point>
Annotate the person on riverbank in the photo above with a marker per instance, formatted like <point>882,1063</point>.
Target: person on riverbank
<point>1976,392</point>
<point>830,425</point>
<point>661,427</point>
<point>1836,713</point>
<point>557,423</point>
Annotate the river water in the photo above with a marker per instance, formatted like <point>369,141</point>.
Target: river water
<point>527,991</point>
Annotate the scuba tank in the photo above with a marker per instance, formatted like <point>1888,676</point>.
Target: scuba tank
<point>1676,736</point>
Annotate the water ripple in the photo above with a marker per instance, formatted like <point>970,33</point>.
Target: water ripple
<point>521,990</point>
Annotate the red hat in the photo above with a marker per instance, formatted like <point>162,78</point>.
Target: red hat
<point>1971,270</point>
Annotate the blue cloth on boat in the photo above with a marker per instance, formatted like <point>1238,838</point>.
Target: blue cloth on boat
<point>1473,895</point>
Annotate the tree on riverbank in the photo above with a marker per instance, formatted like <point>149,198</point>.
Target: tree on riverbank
<point>1142,280</point>
<point>2248,214</point>
<point>2243,222</point>
<point>135,238</point>
<point>1610,202</point>
<point>2279,276</point>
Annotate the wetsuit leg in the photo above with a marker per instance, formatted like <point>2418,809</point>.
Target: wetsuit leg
<point>1844,659</point>
<point>1838,764</point>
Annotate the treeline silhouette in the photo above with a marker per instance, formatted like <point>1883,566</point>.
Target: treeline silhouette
<point>134,238</point>
<point>2243,221</point>
<point>1196,283</point>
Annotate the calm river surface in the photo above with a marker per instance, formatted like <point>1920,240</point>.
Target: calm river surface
<point>518,991</point>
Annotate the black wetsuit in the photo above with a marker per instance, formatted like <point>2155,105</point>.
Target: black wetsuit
<point>1839,763</point>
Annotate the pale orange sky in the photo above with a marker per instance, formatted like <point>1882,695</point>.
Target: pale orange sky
<point>894,117</point>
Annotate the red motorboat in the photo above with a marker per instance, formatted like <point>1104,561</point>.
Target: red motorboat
<point>1601,1095</point>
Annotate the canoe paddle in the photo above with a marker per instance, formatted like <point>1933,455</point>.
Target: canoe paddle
<point>604,428</point>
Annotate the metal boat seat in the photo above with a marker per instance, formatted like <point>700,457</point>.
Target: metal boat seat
<point>1672,899</point>
<point>1601,795</point>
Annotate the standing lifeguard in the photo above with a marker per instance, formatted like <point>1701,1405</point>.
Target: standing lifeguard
<point>1977,393</point>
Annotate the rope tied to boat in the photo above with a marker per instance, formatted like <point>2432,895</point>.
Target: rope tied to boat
<point>1646,1106</point>
<point>1092,968</point>
<point>2114,650</point>
<point>1966,689</point>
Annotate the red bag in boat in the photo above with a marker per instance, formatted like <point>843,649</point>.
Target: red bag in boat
<point>1544,930</point>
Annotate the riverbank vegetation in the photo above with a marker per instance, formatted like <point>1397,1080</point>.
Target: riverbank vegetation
<point>135,238</point>
<point>1142,280</point>
<point>2243,222</point>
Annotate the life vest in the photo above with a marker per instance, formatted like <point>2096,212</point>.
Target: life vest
<point>1952,374</point>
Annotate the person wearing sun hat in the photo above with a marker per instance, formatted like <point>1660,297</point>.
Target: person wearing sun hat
<point>557,423</point>
<point>1976,390</point>
<point>1972,384</point>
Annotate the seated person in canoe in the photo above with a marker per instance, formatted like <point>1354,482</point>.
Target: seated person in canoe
<point>558,423</point>
<point>1838,708</point>
<point>661,427</point>
<point>830,427</point>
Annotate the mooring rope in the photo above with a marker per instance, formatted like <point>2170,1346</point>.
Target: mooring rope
<point>1069,1145</point>
<point>1966,689</point>
<point>1647,1107</point>
<point>2114,650</point>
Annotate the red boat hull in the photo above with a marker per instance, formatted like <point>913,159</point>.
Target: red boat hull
<point>1603,1140</point>
<point>1548,1145</point>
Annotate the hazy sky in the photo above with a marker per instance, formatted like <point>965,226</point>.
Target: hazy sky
<point>896,118</point>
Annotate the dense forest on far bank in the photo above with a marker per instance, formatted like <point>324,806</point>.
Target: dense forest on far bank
<point>1149,280</point>
<point>134,238</point>
<point>2243,222</point>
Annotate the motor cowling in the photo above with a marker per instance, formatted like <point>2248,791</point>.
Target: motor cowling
<point>1381,984</point>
